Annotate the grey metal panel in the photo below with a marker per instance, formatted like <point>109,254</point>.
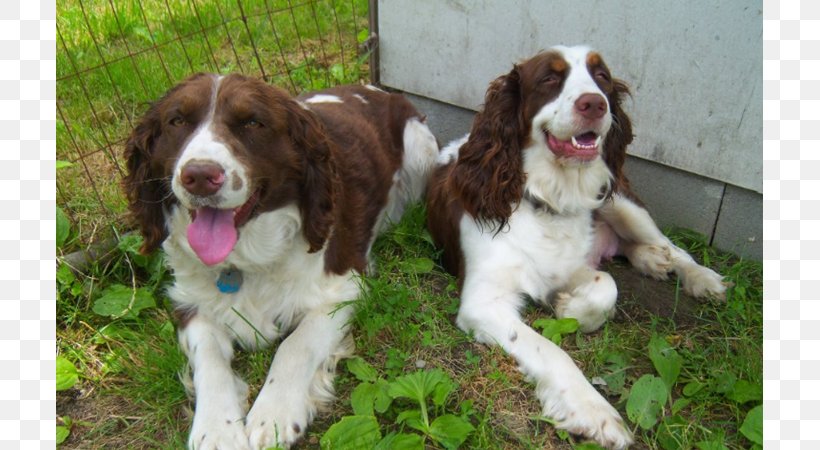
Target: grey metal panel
<point>695,67</point>
<point>674,197</point>
<point>447,122</point>
<point>740,224</point>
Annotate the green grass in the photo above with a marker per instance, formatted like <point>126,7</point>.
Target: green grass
<point>129,393</point>
<point>120,367</point>
<point>115,57</point>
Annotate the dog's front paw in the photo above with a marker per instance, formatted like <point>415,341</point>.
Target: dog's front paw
<point>272,424</point>
<point>217,433</point>
<point>703,282</point>
<point>651,260</point>
<point>584,412</point>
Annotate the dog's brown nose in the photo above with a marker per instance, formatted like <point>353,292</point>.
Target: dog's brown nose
<point>202,178</point>
<point>591,106</point>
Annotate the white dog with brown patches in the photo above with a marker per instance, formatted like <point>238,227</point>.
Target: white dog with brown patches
<point>267,206</point>
<point>529,203</point>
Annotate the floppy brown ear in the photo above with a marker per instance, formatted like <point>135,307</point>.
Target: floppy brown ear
<point>619,135</point>
<point>488,176</point>
<point>319,181</point>
<point>146,191</point>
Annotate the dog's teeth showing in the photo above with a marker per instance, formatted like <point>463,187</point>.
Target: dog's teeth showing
<point>580,146</point>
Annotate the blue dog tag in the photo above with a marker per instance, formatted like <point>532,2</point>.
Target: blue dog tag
<point>229,281</point>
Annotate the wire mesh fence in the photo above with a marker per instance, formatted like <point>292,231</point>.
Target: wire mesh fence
<point>115,57</point>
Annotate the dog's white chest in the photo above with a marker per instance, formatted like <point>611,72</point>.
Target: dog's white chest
<point>538,249</point>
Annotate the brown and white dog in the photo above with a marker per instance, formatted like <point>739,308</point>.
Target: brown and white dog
<point>526,206</point>
<point>267,207</point>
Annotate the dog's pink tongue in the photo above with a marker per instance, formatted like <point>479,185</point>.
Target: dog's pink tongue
<point>212,234</point>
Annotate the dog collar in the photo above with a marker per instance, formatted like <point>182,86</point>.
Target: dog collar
<point>229,281</point>
<point>538,204</point>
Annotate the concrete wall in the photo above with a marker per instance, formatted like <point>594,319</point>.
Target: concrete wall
<point>694,69</point>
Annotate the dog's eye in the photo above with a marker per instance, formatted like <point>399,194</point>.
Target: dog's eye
<point>252,124</point>
<point>177,121</point>
<point>602,75</point>
<point>551,78</point>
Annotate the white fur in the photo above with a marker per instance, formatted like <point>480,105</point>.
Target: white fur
<point>410,182</point>
<point>323,98</point>
<point>282,286</point>
<point>361,99</point>
<point>543,254</point>
<point>450,152</point>
<point>285,290</point>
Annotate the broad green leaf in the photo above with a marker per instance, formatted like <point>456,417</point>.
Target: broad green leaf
<point>362,399</point>
<point>401,441</point>
<point>679,404</point>
<point>122,301</point>
<point>646,399</point>
<point>450,431</point>
<point>352,433</point>
<point>692,388</point>
<point>724,382</point>
<point>361,369</point>
<point>417,265</point>
<point>711,445</point>
<point>337,71</point>
<point>752,426</point>
<point>587,446</point>
<point>63,227</point>
<point>744,391</point>
<point>440,393</point>
<point>62,434</point>
<point>666,360</point>
<point>412,418</point>
<point>67,375</point>
<point>417,385</point>
<point>554,329</point>
<point>616,365</point>
<point>65,277</point>
<point>62,164</point>
<point>383,398</point>
<point>364,33</point>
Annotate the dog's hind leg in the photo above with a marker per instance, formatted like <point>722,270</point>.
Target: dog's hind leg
<point>566,396</point>
<point>589,297</point>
